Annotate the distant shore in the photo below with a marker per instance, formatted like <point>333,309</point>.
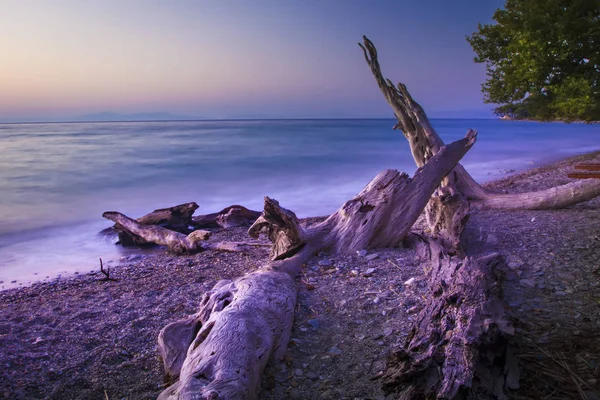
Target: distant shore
<point>82,338</point>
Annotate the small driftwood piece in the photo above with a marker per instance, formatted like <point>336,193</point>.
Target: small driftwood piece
<point>228,217</point>
<point>177,218</point>
<point>176,242</point>
<point>458,347</point>
<point>106,273</point>
<point>221,351</point>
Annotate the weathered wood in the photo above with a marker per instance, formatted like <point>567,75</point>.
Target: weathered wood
<point>584,175</point>
<point>588,166</point>
<point>424,142</point>
<point>228,217</point>
<point>458,347</point>
<point>220,352</point>
<point>282,228</point>
<point>245,322</point>
<point>176,242</point>
<point>177,218</point>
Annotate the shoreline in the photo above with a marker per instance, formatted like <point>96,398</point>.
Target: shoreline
<point>113,255</point>
<point>79,337</point>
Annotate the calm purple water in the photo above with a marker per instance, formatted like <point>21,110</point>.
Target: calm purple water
<point>57,179</point>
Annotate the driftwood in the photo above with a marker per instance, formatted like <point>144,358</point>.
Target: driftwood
<point>177,218</point>
<point>381,215</point>
<point>228,217</point>
<point>221,351</point>
<point>424,142</point>
<point>458,347</point>
<point>176,242</point>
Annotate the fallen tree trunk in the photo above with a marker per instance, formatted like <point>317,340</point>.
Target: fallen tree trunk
<point>458,347</point>
<point>176,218</point>
<point>424,142</point>
<point>221,351</point>
<point>176,242</point>
<point>179,219</point>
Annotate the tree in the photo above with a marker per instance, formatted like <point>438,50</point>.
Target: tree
<point>542,59</point>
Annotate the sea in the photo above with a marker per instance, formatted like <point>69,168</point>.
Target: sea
<point>57,179</point>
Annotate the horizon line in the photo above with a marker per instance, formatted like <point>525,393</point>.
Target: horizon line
<point>224,119</point>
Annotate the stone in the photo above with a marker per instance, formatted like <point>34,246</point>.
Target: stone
<point>371,256</point>
<point>325,263</point>
<point>530,283</point>
<point>314,324</point>
<point>298,372</point>
<point>335,351</point>
<point>312,376</point>
<point>514,265</point>
<point>369,272</point>
<point>354,272</point>
<point>361,253</point>
<point>410,281</point>
<point>295,394</point>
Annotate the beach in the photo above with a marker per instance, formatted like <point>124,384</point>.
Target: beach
<point>84,338</point>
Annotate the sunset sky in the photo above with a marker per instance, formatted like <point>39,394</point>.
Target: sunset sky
<point>235,59</point>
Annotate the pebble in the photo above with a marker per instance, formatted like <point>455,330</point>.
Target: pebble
<point>530,283</point>
<point>298,372</point>
<point>361,253</point>
<point>295,394</point>
<point>312,376</point>
<point>514,265</point>
<point>533,219</point>
<point>371,256</point>
<point>328,394</point>
<point>410,281</point>
<point>369,272</point>
<point>325,263</point>
<point>354,272</point>
<point>314,323</point>
<point>335,351</point>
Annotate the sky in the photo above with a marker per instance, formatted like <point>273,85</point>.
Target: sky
<point>236,59</point>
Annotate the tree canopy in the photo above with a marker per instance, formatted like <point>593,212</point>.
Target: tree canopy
<point>542,59</point>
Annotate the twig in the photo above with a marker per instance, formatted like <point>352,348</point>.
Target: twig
<point>106,273</point>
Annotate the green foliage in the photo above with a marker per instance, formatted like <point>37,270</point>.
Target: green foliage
<point>542,59</point>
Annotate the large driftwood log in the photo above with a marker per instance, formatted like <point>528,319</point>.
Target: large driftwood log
<point>176,242</point>
<point>177,218</point>
<point>424,142</point>
<point>458,347</point>
<point>221,351</point>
